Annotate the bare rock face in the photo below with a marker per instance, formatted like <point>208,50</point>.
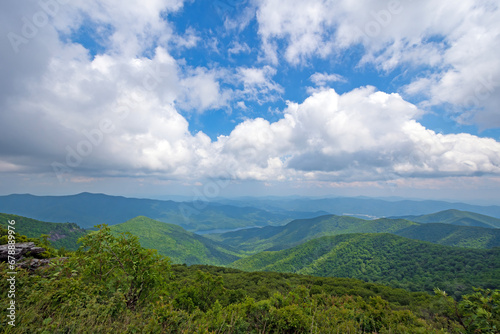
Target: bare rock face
<point>33,264</point>
<point>56,236</point>
<point>20,249</point>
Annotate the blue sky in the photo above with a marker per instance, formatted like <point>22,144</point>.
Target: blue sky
<point>345,98</point>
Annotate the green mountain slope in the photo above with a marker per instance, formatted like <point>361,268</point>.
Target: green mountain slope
<point>385,258</point>
<point>177,243</point>
<point>301,230</point>
<point>60,234</point>
<point>453,235</point>
<point>298,231</point>
<point>457,217</point>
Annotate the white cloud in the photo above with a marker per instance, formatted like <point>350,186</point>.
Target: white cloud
<point>137,25</point>
<point>301,23</point>
<point>237,48</point>
<point>189,40</point>
<point>458,42</point>
<point>118,113</point>
<point>258,84</point>
<point>256,76</point>
<point>241,105</point>
<point>110,115</point>
<point>137,97</point>
<point>201,91</point>
<point>322,79</point>
<point>360,135</point>
<point>437,154</point>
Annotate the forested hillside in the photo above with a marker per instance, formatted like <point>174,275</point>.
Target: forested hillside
<point>175,242</point>
<point>301,230</point>
<point>453,235</point>
<point>383,258</point>
<point>59,234</point>
<point>298,231</point>
<point>388,259</point>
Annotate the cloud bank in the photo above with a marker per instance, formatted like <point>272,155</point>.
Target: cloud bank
<point>125,111</point>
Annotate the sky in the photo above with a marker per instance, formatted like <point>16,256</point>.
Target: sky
<point>204,98</point>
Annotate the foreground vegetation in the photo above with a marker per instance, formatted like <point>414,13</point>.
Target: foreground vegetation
<point>113,285</point>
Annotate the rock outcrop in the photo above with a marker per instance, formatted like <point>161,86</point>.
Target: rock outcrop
<point>33,264</point>
<point>21,249</point>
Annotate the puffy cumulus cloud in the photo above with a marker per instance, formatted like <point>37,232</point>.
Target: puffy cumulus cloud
<point>459,42</point>
<point>112,114</point>
<point>201,91</point>
<point>107,116</point>
<point>360,135</point>
<point>360,120</point>
<point>436,154</point>
<point>301,23</point>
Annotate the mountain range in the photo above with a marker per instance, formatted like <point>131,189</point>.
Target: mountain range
<point>226,247</point>
<point>362,207</point>
<point>87,210</point>
<point>301,230</point>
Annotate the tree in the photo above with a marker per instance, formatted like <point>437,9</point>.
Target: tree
<point>119,263</point>
<point>478,312</point>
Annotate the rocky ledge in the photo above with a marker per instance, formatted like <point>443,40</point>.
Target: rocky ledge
<point>21,249</point>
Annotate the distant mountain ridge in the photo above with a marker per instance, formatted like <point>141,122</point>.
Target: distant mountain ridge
<point>361,206</point>
<point>456,217</point>
<point>88,209</point>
